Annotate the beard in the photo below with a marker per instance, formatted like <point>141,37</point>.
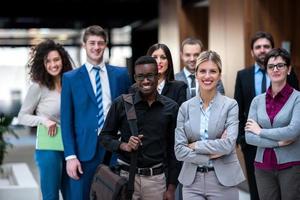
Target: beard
<point>260,59</point>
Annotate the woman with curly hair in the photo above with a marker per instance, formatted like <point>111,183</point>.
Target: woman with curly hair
<point>49,60</point>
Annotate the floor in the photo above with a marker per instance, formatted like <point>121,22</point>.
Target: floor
<point>23,151</point>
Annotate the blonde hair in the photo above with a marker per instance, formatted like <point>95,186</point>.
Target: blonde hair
<point>209,55</point>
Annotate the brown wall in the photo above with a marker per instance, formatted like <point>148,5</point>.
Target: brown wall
<point>280,18</point>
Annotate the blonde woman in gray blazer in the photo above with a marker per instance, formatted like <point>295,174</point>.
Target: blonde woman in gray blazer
<point>207,128</point>
<point>273,126</point>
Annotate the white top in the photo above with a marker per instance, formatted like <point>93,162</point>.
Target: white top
<point>106,96</point>
<point>161,86</point>
<point>40,104</point>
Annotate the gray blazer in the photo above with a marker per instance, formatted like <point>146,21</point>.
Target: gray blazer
<point>224,115</point>
<point>286,126</point>
<point>180,76</point>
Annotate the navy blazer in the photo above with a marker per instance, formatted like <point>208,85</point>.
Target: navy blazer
<point>79,109</point>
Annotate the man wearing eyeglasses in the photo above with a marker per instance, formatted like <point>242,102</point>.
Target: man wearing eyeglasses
<point>251,82</point>
<point>156,120</point>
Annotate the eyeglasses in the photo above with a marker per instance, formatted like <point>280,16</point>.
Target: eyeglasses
<point>279,66</point>
<point>141,77</point>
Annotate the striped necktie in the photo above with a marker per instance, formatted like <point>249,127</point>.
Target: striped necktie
<point>193,85</point>
<point>99,97</point>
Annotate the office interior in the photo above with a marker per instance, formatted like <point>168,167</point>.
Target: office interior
<point>224,26</point>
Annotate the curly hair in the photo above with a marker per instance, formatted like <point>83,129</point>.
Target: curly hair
<point>166,50</point>
<point>37,70</point>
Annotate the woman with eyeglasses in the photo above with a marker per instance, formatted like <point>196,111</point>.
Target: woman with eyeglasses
<point>273,126</point>
<point>205,138</point>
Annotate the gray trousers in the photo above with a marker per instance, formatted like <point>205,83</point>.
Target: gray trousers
<point>206,186</point>
<point>278,185</point>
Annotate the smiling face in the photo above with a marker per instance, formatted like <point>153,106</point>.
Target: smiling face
<point>162,61</point>
<point>189,55</point>
<point>146,78</point>
<point>95,47</point>
<point>208,74</point>
<point>278,70</point>
<point>53,63</point>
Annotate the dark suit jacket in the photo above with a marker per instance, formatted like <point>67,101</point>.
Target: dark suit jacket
<point>175,90</point>
<point>245,92</point>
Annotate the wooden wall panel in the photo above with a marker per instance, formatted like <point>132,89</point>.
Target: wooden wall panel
<point>280,18</point>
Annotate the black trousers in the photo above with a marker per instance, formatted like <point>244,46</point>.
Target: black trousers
<point>249,152</point>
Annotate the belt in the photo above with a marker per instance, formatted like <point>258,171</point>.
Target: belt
<point>205,169</point>
<point>145,171</point>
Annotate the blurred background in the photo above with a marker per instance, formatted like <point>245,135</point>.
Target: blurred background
<point>224,26</point>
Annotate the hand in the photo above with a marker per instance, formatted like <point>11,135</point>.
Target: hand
<point>224,134</point>
<point>192,145</point>
<point>51,125</point>
<point>170,193</point>
<point>133,143</point>
<point>252,126</point>
<point>285,143</point>
<point>214,156</point>
<point>73,167</point>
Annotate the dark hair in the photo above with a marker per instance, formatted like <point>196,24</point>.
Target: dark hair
<point>278,52</point>
<point>94,30</point>
<point>262,34</point>
<point>192,41</point>
<point>146,60</point>
<point>38,72</point>
<point>170,70</point>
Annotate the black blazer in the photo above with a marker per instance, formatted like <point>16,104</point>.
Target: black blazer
<point>244,93</point>
<point>175,90</point>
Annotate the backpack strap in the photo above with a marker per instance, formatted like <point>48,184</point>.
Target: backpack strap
<point>132,121</point>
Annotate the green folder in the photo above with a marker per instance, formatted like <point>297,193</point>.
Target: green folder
<point>46,142</point>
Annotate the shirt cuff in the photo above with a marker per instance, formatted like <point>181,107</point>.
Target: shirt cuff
<point>70,157</point>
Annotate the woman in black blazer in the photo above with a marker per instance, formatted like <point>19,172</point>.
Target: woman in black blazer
<point>167,86</point>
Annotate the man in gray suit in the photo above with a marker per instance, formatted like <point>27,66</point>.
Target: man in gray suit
<point>190,50</point>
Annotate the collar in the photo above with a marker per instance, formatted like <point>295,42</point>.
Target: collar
<point>138,98</point>
<point>161,86</point>
<point>186,72</point>
<point>256,67</point>
<point>285,92</point>
<point>211,102</point>
<point>89,66</point>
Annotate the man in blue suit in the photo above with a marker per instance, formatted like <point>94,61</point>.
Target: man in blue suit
<point>87,93</point>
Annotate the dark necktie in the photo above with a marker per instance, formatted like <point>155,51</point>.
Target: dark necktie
<point>263,82</point>
<point>193,85</point>
<point>99,97</point>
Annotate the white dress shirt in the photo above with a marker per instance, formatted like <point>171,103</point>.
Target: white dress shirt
<point>106,95</point>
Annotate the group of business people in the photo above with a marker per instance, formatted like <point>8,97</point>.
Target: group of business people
<point>84,102</point>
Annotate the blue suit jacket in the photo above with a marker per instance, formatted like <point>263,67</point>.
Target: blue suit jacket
<point>79,109</point>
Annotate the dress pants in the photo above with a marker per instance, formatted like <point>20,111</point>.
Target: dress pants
<point>53,174</point>
<point>80,189</point>
<point>278,184</point>
<point>249,153</point>
<point>206,186</point>
<point>147,187</point>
